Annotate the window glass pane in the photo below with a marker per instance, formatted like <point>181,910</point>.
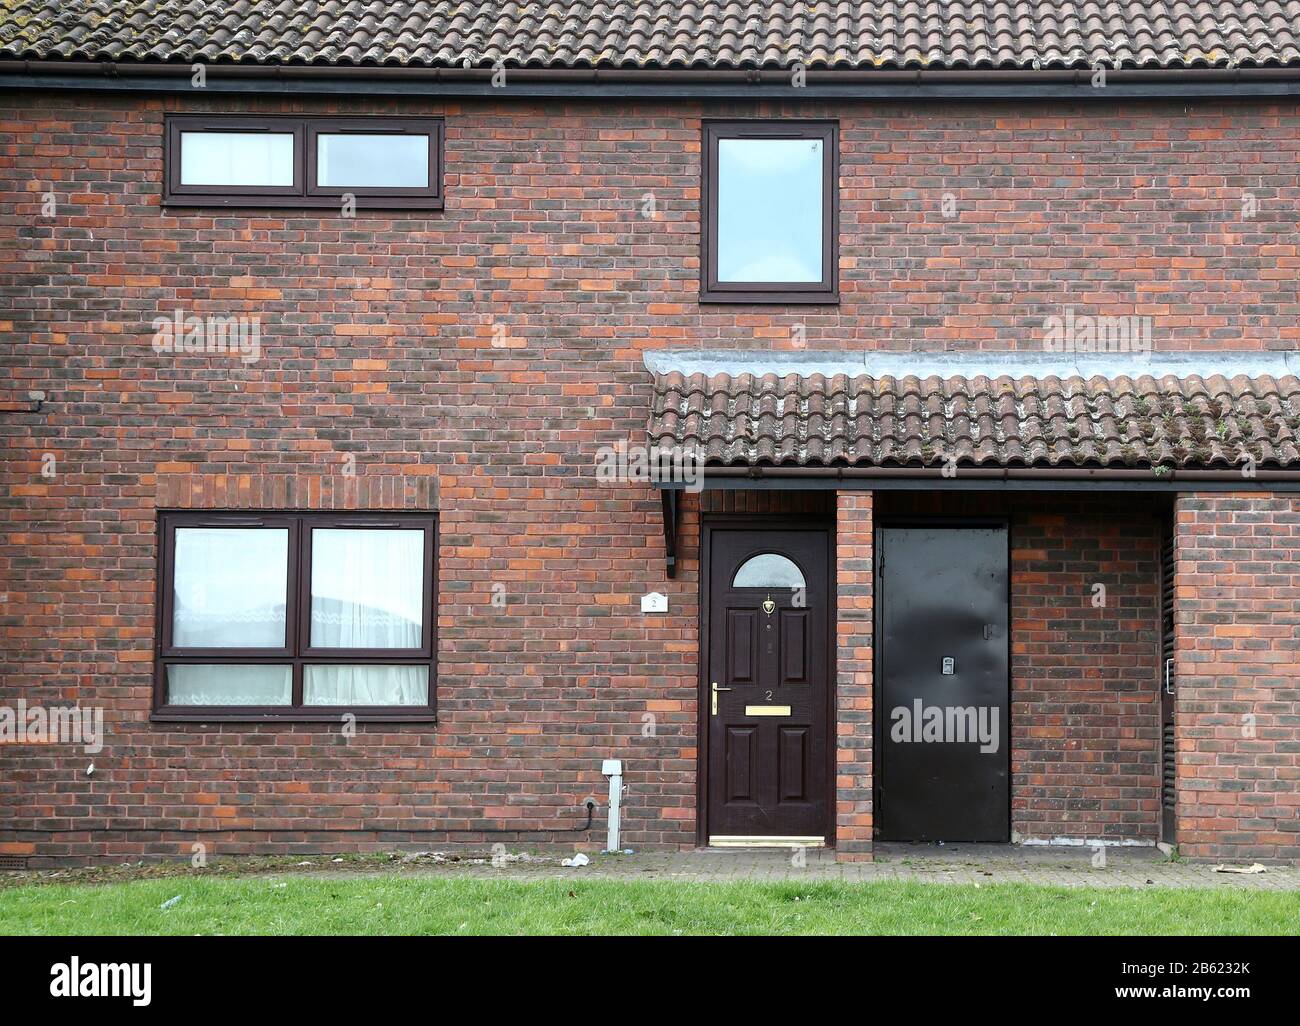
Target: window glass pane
<point>236,158</point>
<point>229,587</point>
<point>770,210</point>
<point>354,160</point>
<point>768,570</point>
<point>228,684</point>
<point>365,685</point>
<point>367,588</point>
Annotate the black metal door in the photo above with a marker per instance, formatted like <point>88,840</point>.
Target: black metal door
<point>944,692</point>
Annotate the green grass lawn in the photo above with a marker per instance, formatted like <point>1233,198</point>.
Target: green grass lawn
<point>430,905</point>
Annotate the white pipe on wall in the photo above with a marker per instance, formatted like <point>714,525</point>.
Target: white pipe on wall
<point>613,768</point>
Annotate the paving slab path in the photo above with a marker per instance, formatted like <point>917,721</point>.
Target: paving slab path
<point>1066,866</point>
<point>1057,865</point>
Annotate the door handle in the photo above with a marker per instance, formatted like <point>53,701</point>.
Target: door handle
<point>713,697</point>
<point>1169,676</point>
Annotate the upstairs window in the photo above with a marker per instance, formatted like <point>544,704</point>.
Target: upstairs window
<point>289,162</point>
<point>296,616</point>
<point>770,218</point>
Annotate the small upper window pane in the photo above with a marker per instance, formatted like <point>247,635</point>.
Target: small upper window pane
<point>370,161</point>
<point>768,570</point>
<point>237,158</point>
<point>367,588</point>
<point>230,587</point>
<point>770,210</point>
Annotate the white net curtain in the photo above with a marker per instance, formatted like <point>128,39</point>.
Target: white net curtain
<point>230,587</point>
<point>230,591</point>
<point>367,591</point>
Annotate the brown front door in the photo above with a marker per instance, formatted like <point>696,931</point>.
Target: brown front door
<point>767,684</point>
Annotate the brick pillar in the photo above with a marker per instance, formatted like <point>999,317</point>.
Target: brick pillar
<point>854,578</point>
<point>1237,665</point>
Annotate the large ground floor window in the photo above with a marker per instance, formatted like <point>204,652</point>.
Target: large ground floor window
<point>296,616</point>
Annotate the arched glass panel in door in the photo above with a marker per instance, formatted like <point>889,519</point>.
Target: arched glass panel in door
<point>768,570</point>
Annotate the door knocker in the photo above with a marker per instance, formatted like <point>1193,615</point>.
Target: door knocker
<point>769,607</point>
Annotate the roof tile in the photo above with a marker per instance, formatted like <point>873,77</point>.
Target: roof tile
<point>813,420</point>
<point>949,34</point>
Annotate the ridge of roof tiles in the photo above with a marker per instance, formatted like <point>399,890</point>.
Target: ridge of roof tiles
<point>902,34</point>
<point>793,420</point>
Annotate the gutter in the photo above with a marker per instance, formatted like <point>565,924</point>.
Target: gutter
<point>1009,473</point>
<point>991,478</point>
<point>670,84</point>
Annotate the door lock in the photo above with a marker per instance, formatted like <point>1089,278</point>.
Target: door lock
<point>713,697</point>
<point>949,666</point>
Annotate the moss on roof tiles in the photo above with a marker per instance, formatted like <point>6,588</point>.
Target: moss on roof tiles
<point>893,34</point>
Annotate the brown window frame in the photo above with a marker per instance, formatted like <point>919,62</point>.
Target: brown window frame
<point>304,194</point>
<point>297,650</point>
<point>824,291</point>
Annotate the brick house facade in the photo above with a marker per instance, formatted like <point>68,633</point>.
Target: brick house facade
<point>471,362</point>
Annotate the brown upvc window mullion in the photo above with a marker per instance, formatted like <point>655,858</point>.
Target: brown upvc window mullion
<point>301,601</point>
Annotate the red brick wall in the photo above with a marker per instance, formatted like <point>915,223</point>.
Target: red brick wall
<point>1085,713</point>
<point>491,348</point>
<point>854,588</point>
<point>1237,666</point>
